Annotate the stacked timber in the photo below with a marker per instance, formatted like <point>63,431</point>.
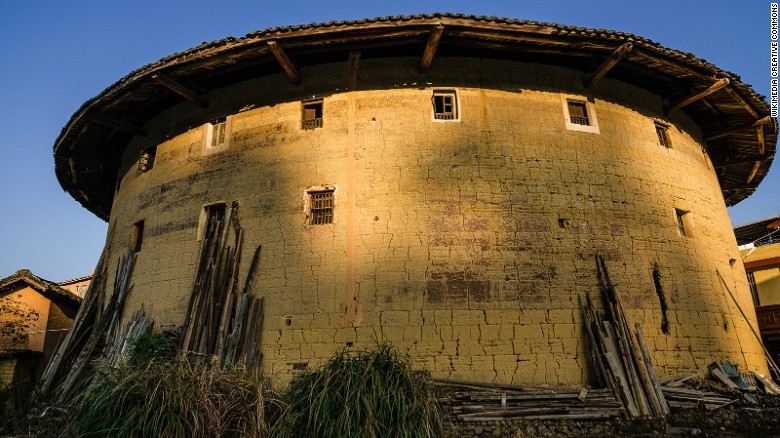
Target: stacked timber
<point>473,401</point>
<point>118,345</point>
<point>222,321</point>
<point>87,336</point>
<point>621,358</point>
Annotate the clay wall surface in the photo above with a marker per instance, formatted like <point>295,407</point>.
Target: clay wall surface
<point>465,243</point>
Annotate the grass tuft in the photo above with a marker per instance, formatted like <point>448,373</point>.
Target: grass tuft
<point>366,393</point>
<point>175,398</point>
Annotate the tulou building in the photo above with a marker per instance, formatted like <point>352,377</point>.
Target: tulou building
<point>441,182</point>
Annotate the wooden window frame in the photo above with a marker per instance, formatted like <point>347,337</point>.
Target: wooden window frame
<point>589,107</point>
<point>662,132</point>
<point>312,114</point>
<point>318,214</point>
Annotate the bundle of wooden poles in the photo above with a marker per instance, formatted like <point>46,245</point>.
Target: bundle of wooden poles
<point>87,337</point>
<point>118,344</point>
<point>222,321</point>
<point>621,358</point>
<point>472,401</point>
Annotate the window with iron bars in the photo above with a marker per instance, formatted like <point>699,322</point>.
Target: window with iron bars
<point>312,114</point>
<point>578,114</point>
<point>320,207</point>
<point>663,134</point>
<point>444,105</point>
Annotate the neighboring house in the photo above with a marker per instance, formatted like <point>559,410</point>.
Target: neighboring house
<point>760,247</point>
<point>77,286</point>
<point>42,313</point>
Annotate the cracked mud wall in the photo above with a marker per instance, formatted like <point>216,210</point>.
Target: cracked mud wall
<point>464,243</point>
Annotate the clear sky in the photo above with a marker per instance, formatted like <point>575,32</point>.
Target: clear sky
<point>56,54</point>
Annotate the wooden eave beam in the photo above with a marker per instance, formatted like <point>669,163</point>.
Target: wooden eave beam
<point>753,172</point>
<point>740,161</point>
<point>738,128</point>
<point>430,49</point>
<point>748,107</point>
<point>284,61</point>
<point>181,90</point>
<point>761,139</point>
<point>111,123</point>
<point>717,85</point>
<point>608,63</point>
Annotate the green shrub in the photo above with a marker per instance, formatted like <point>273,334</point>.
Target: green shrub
<point>16,399</point>
<point>150,347</point>
<point>175,398</point>
<point>368,393</point>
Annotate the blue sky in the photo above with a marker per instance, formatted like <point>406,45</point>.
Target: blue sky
<point>54,55</point>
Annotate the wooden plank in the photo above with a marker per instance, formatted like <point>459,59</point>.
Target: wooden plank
<point>430,49</point>
<point>717,85</point>
<point>720,375</point>
<point>608,63</point>
<point>284,61</point>
<point>651,370</point>
<point>116,124</point>
<point>180,89</point>
<point>738,128</point>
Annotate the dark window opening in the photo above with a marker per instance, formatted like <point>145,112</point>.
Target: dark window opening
<point>146,162</point>
<point>321,207</point>
<point>218,132</point>
<point>312,114</point>
<point>659,290</point>
<point>138,236</point>
<point>444,106</point>
<point>753,288</point>
<point>211,221</point>
<point>663,135</point>
<point>578,113</point>
<point>680,215</point>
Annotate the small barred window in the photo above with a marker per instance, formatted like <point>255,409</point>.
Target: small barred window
<point>320,207</point>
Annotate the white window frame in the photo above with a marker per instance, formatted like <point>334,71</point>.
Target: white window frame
<point>455,100</point>
<point>590,109</point>
<point>208,133</point>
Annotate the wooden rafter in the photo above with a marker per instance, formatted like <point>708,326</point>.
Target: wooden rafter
<point>430,49</point>
<point>116,124</point>
<point>284,61</point>
<point>73,177</point>
<point>740,161</point>
<point>738,128</point>
<point>761,139</point>
<point>353,63</point>
<point>753,172</point>
<point>608,63</point>
<point>748,107</point>
<point>717,85</point>
<point>181,90</point>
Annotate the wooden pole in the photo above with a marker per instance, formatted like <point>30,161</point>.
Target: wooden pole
<point>698,96</point>
<point>608,63</point>
<point>430,49</point>
<point>284,61</point>
<point>180,89</point>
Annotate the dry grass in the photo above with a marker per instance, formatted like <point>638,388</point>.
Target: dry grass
<point>178,398</point>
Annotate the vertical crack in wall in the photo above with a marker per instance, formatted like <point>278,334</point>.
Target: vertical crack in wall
<point>659,290</point>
